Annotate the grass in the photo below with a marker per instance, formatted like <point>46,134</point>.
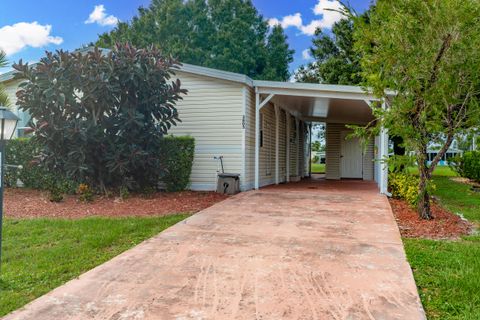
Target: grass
<point>41,254</point>
<point>318,168</point>
<point>447,273</point>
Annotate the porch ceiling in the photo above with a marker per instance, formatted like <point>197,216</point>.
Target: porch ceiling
<point>333,110</point>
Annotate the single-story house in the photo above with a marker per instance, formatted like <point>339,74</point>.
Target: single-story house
<point>262,128</point>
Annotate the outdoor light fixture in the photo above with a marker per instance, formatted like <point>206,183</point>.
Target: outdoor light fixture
<point>8,123</point>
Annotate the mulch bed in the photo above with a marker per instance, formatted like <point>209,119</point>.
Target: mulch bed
<point>26,203</point>
<point>444,225</point>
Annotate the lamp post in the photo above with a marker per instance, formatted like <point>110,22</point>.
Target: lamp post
<point>8,123</point>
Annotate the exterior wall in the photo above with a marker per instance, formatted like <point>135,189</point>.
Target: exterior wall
<point>333,152</point>
<point>212,113</point>
<point>267,151</point>
<point>293,147</point>
<point>282,146</point>
<point>249,177</point>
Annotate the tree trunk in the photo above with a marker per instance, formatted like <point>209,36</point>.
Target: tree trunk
<point>423,195</point>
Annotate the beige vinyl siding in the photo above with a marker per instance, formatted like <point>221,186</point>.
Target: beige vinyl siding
<point>267,150</point>
<point>334,143</point>
<point>293,147</point>
<point>282,146</point>
<point>212,113</point>
<point>249,181</point>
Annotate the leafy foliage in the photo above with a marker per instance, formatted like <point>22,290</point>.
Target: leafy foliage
<point>335,60</point>
<point>4,101</point>
<point>175,154</point>
<point>404,186</point>
<point>22,152</point>
<point>100,117</point>
<point>224,34</point>
<point>427,53</point>
<point>467,165</point>
<point>177,157</point>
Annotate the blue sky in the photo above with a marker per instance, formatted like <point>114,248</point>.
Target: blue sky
<point>28,28</point>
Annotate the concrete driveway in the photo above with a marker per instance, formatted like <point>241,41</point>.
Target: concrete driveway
<point>320,250</point>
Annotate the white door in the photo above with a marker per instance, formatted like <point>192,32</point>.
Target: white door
<point>351,157</point>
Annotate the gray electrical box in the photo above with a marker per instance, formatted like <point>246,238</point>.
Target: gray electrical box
<point>228,183</point>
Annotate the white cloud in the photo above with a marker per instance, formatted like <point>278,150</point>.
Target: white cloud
<point>14,38</point>
<point>322,8</point>
<point>294,20</point>
<point>306,55</point>
<point>100,17</point>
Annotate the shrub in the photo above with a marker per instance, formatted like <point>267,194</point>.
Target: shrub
<point>177,158</point>
<point>467,165</point>
<point>100,116</point>
<point>22,152</point>
<point>404,186</point>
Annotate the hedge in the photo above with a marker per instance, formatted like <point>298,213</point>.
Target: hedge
<point>22,152</point>
<point>176,154</point>
<point>177,158</point>
<point>467,165</point>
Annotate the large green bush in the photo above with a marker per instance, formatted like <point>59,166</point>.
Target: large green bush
<point>175,156</point>
<point>467,165</point>
<point>100,117</point>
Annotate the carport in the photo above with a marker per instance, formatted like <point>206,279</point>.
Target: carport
<point>337,106</point>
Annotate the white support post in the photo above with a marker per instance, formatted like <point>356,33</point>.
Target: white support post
<point>383,158</point>
<point>277,138</point>
<point>310,150</point>
<point>288,119</point>
<point>257,140</point>
<point>297,136</point>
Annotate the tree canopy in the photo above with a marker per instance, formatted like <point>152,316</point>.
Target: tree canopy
<point>427,53</point>
<point>335,60</point>
<point>224,34</point>
<point>100,117</point>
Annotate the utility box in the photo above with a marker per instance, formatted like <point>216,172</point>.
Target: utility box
<point>228,183</point>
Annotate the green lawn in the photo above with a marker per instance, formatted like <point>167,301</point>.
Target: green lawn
<point>318,168</point>
<point>447,273</point>
<point>41,254</point>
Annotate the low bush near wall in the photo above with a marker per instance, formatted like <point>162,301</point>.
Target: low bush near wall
<point>175,157</point>
<point>22,152</point>
<point>404,186</point>
<point>467,165</point>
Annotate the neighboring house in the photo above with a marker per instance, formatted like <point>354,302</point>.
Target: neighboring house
<point>225,112</point>
<point>11,87</point>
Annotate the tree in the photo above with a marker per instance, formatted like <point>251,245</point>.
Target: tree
<point>224,34</point>
<point>335,60</point>
<point>279,56</point>
<point>4,101</point>
<point>427,53</point>
<point>100,117</point>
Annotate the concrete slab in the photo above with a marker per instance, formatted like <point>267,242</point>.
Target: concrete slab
<point>308,250</point>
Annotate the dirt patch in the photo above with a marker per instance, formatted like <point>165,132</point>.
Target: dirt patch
<point>25,203</point>
<point>445,224</point>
